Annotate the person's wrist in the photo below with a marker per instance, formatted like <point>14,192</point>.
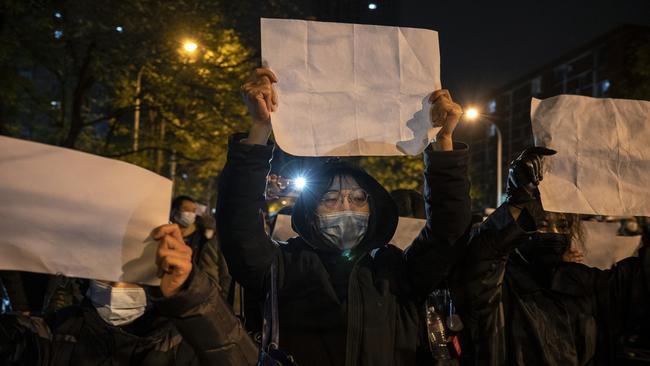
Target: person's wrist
<point>259,133</point>
<point>443,143</point>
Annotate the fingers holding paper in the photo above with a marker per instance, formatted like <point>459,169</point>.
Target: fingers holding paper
<point>444,113</point>
<point>259,95</point>
<point>173,258</point>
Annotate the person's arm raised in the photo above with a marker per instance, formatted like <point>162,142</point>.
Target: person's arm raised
<point>444,113</point>
<point>261,99</point>
<point>446,193</point>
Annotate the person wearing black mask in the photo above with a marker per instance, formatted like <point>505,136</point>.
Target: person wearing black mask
<point>528,300</point>
<point>346,296</point>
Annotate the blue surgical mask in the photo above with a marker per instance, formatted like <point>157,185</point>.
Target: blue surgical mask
<point>343,230</point>
<point>117,305</point>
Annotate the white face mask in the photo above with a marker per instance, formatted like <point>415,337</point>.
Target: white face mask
<point>117,305</point>
<point>344,229</point>
<point>185,218</point>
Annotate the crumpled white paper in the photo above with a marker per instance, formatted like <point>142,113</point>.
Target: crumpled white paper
<point>603,161</point>
<point>64,211</point>
<point>407,230</point>
<point>603,247</point>
<point>350,89</point>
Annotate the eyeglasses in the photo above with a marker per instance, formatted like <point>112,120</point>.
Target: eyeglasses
<point>356,197</point>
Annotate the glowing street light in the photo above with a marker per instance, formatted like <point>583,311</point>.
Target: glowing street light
<point>190,46</point>
<point>372,6</point>
<point>471,113</point>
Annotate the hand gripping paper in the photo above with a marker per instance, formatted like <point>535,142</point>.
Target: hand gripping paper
<point>350,89</point>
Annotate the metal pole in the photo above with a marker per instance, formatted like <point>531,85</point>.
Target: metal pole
<point>499,163</point>
<point>136,113</point>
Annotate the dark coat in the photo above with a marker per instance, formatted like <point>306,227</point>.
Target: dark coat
<point>193,327</point>
<point>354,309</point>
<point>207,255</point>
<point>574,315</point>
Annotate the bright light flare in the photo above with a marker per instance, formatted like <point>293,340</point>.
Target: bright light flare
<point>372,6</point>
<point>471,113</point>
<point>300,183</point>
<point>190,46</point>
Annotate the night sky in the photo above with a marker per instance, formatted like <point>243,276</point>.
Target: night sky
<point>486,44</point>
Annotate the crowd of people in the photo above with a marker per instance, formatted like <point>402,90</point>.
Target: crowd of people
<point>507,290</point>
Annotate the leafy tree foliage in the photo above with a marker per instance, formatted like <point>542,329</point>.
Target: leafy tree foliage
<point>75,74</point>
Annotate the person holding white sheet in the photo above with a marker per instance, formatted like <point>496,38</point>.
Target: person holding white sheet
<point>528,300</point>
<point>346,296</point>
<point>184,322</point>
<point>201,238</point>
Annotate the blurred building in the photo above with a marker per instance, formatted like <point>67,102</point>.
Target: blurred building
<point>600,68</point>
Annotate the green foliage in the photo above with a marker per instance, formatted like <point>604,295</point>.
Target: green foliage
<point>637,81</point>
<point>396,172</point>
<point>80,89</point>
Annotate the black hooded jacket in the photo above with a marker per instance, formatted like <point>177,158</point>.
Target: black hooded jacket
<point>575,316</point>
<point>359,308</point>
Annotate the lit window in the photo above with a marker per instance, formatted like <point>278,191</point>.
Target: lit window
<point>372,6</point>
<point>604,86</point>
<point>536,86</point>
<point>492,106</point>
<point>58,34</point>
<point>492,130</point>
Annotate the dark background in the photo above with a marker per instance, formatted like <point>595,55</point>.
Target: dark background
<point>486,44</point>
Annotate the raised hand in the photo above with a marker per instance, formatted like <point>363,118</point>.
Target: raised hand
<point>261,99</point>
<point>173,258</point>
<point>525,173</point>
<point>444,113</point>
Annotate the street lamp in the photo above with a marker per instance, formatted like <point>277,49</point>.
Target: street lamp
<point>190,46</point>
<point>471,114</point>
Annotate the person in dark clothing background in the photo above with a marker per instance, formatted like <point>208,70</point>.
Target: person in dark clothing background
<point>184,322</point>
<point>346,296</point>
<point>199,233</point>
<point>529,301</point>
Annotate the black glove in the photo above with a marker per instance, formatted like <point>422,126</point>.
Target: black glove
<point>524,175</point>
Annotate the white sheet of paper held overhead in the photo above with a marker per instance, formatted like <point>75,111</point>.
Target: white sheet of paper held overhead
<point>603,160</point>
<point>65,211</point>
<point>350,89</point>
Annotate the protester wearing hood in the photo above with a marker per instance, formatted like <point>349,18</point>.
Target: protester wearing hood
<point>528,299</point>
<point>199,233</point>
<point>346,296</point>
<point>184,322</point>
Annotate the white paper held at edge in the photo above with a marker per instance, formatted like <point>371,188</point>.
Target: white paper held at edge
<point>350,89</point>
<point>603,162</point>
<point>65,211</point>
